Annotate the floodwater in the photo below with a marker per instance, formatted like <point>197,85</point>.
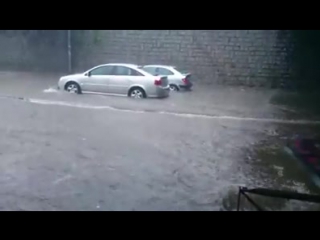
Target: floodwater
<point>277,169</point>
<point>188,152</point>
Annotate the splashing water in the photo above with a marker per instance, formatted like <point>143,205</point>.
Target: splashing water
<point>50,90</point>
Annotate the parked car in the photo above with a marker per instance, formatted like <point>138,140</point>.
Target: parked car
<point>117,78</point>
<point>177,79</point>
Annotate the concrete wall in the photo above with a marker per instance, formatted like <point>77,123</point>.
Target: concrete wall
<point>250,57</point>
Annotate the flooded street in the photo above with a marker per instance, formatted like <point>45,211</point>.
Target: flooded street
<point>190,151</point>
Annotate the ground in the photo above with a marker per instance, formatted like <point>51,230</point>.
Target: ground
<point>90,152</point>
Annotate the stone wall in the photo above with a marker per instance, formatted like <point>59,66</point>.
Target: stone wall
<point>249,57</point>
<point>32,50</point>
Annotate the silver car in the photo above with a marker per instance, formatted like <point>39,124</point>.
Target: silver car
<point>177,79</point>
<point>119,79</point>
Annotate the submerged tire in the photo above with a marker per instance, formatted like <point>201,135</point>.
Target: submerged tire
<point>73,87</point>
<point>137,92</point>
<point>174,88</point>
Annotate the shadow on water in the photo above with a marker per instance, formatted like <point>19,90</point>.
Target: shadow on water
<point>297,105</point>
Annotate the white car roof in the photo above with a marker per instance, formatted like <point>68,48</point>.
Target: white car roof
<point>121,64</point>
<point>166,66</point>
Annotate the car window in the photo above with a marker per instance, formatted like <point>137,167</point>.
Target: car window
<point>122,71</point>
<point>125,71</point>
<point>135,73</point>
<point>151,70</point>
<point>163,71</point>
<point>104,70</point>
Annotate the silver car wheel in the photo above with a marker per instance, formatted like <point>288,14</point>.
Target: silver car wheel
<point>136,93</point>
<point>72,88</point>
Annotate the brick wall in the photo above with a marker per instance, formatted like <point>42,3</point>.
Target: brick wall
<point>250,57</point>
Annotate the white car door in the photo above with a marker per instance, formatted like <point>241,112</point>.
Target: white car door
<point>97,80</point>
<point>120,80</point>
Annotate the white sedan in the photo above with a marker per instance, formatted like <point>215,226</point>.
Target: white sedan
<point>119,79</point>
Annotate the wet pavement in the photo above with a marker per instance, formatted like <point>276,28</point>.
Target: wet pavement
<point>89,152</point>
<point>210,100</point>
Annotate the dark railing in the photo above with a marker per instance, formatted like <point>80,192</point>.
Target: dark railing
<point>275,194</point>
